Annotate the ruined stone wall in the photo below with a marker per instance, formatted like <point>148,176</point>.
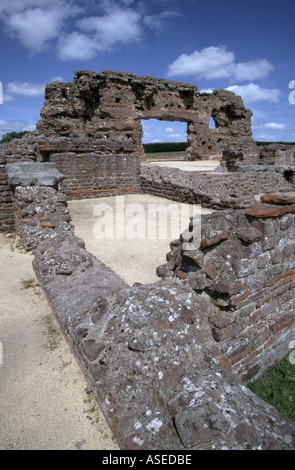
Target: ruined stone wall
<point>111,105</point>
<point>91,167</point>
<point>164,360</point>
<point>267,157</point>
<point>244,260</point>
<point>15,151</point>
<point>39,207</point>
<point>216,190</point>
<point>7,217</point>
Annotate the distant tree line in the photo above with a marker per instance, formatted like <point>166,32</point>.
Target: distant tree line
<point>165,147</point>
<point>12,135</point>
<point>268,143</point>
<point>160,147</point>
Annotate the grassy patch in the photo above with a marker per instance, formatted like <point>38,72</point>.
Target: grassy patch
<point>277,387</point>
<point>15,242</point>
<point>52,333</point>
<point>28,283</point>
<point>92,409</point>
<point>31,283</point>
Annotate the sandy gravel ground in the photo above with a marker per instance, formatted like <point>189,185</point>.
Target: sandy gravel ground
<point>207,165</point>
<point>45,400</point>
<point>133,259</point>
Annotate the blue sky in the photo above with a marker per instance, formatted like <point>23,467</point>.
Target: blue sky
<point>243,46</point>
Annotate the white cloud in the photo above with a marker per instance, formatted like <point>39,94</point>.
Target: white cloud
<point>214,63</point>
<point>15,126</point>
<point>169,130</point>
<point>100,34</point>
<point>266,137</point>
<point>118,25</point>
<point>58,78</point>
<point>274,125</point>
<point>77,46</point>
<point>252,70</point>
<point>14,90</point>
<point>15,6</point>
<point>157,22</point>
<point>210,63</point>
<point>175,136</point>
<point>38,24</point>
<point>35,27</point>
<point>25,89</point>
<point>207,90</point>
<point>252,93</point>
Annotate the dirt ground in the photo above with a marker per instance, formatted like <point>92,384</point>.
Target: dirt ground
<point>207,165</point>
<point>45,401</point>
<point>133,259</point>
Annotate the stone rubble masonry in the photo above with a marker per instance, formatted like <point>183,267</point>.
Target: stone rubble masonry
<point>91,168</point>
<point>7,215</point>
<point>270,157</point>
<point>111,105</point>
<point>245,262</point>
<point>164,360</point>
<point>212,190</point>
<point>39,206</point>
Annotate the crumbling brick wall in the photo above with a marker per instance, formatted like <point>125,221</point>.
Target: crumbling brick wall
<point>15,151</point>
<point>212,190</point>
<point>91,167</point>
<point>258,157</point>
<point>244,261</point>
<point>7,216</point>
<point>111,105</point>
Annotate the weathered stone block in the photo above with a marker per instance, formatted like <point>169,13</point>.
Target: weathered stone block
<point>245,267</point>
<point>250,235</point>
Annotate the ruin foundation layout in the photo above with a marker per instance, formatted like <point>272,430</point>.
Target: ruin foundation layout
<point>168,362</point>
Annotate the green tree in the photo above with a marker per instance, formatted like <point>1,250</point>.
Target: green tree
<point>12,135</point>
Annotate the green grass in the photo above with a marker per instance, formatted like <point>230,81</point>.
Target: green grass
<point>277,387</point>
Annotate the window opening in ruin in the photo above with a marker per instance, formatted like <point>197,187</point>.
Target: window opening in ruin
<point>45,156</point>
<point>158,131</point>
<point>212,124</point>
<point>288,174</point>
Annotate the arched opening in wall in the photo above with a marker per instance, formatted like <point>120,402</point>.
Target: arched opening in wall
<point>212,124</point>
<point>166,138</point>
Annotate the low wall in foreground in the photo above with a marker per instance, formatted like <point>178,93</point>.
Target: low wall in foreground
<point>168,362</point>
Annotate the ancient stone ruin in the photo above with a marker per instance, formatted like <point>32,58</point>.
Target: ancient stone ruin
<point>111,105</point>
<point>168,362</point>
